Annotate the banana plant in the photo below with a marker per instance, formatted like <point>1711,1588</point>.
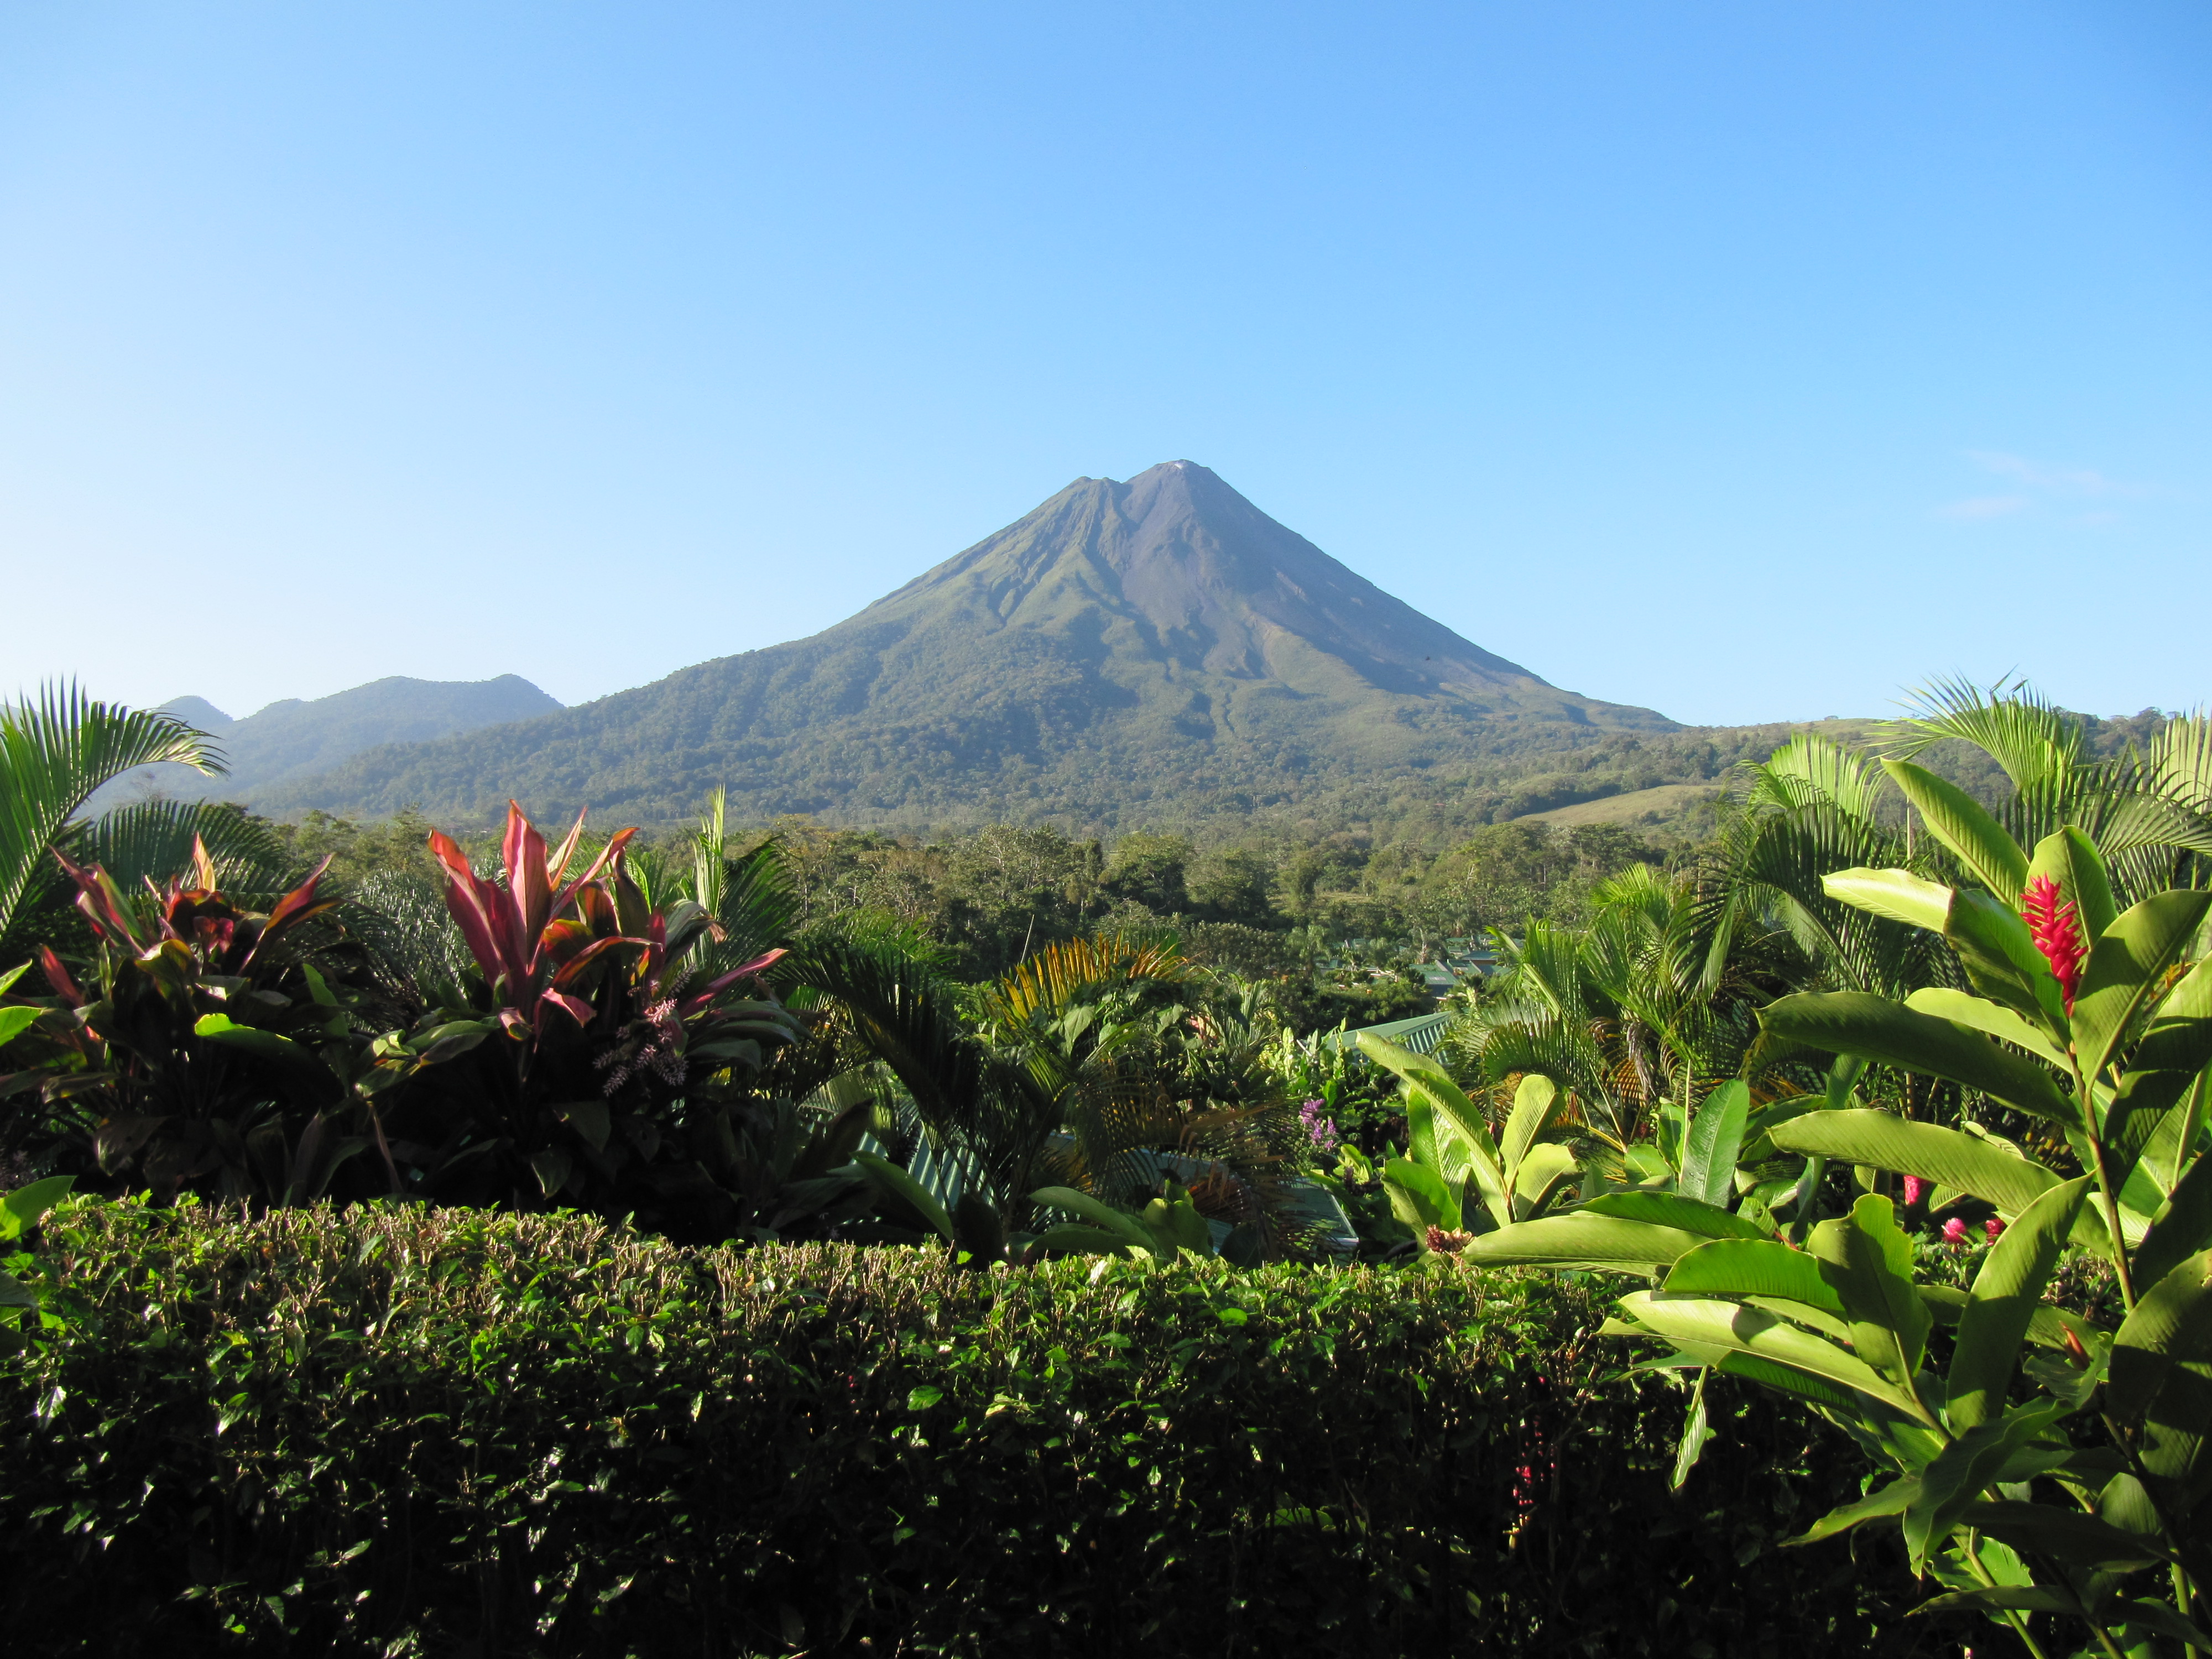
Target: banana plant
<point>1456,1177</point>
<point>2052,1460</point>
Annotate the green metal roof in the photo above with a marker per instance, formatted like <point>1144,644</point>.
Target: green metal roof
<point>1421,1034</point>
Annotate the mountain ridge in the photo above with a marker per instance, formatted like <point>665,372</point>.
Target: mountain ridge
<point>294,737</point>
<point>1123,648</point>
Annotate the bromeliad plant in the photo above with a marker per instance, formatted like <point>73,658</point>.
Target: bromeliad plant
<point>2034,1485</point>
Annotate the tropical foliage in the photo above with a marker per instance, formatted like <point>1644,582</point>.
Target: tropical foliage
<point>1895,1092</point>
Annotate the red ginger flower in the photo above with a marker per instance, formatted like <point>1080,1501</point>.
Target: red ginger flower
<point>2057,929</point>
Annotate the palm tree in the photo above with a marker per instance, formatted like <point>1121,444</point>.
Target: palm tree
<point>54,754</point>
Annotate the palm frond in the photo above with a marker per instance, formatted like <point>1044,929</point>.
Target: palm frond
<point>54,753</point>
<point>1810,768</point>
<point>1069,969</point>
<point>2022,731</point>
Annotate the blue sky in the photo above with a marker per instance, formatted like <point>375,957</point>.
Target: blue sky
<point>1746,361</point>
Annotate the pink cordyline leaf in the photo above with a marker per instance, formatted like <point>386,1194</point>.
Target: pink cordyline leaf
<point>59,977</point>
<point>531,894</point>
<point>759,964</point>
<point>474,904</point>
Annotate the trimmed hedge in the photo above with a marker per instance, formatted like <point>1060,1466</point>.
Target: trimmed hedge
<point>394,1431</point>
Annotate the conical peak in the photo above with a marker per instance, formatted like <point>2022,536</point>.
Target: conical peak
<point>1205,577</point>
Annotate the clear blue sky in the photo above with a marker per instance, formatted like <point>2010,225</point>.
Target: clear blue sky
<point>1747,362</point>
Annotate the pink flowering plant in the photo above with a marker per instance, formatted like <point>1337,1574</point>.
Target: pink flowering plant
<point>599,1044</point>
<point>2047,1464</point>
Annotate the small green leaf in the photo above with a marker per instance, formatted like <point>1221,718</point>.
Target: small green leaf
<point>1891,1499</point>
<point>921,1399</point>
<point>24,1208</point>
<point>14,1022</point>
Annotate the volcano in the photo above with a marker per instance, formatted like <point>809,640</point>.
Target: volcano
<point>1153,651</point>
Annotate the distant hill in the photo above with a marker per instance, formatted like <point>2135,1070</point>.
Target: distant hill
<point>295,739</point>
<point>1148,652</point>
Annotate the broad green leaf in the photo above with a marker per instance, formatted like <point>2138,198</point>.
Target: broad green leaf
<point>1891,1499</point>
<point>1582,1239</point>
<point>2170,1324</point>
<point>2126,963</point>
<point>1992,1598</point>
<point>1083,1241</point>
<point>1896,895</point>
<point>1709,1151</point>
<point>2148,1107</point>
<point>1798,1385</point>
<point>1868,1261</point>
<point>1966,826</point>
<point>1421,1131</point>
<point>1756,1145</point>
<point>301,1063</point>
<point>1422,1075</point>
<point>1747,1268</point>
<point>2071,859</point>
<point>1926,1150</point>
<point>1537,1104</point>
<point>1734,1328</point>
<point>2167,1070</point>
<point>24,1208</point>
<point>1989,1018</point>
<point>2067,1535</point>
<point>1874,1027</point>
<point>14,1022</point>
<point>1426,1074</point>
<point>900,1183</point>
<point>1999,954</point>
<point>14,1293</point>
<point>2007,1292</point>
<point>1548,1167</point>
<point>1175,1221</point>
<point>1673,1210</point>
<point>1096,1211</point>
<point>2158,1617</point>
<point>1418,1197</point>
<point>2182,1228</point>
<point>1963,1470</point>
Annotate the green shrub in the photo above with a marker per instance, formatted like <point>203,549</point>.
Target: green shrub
<point>395,1431</point>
